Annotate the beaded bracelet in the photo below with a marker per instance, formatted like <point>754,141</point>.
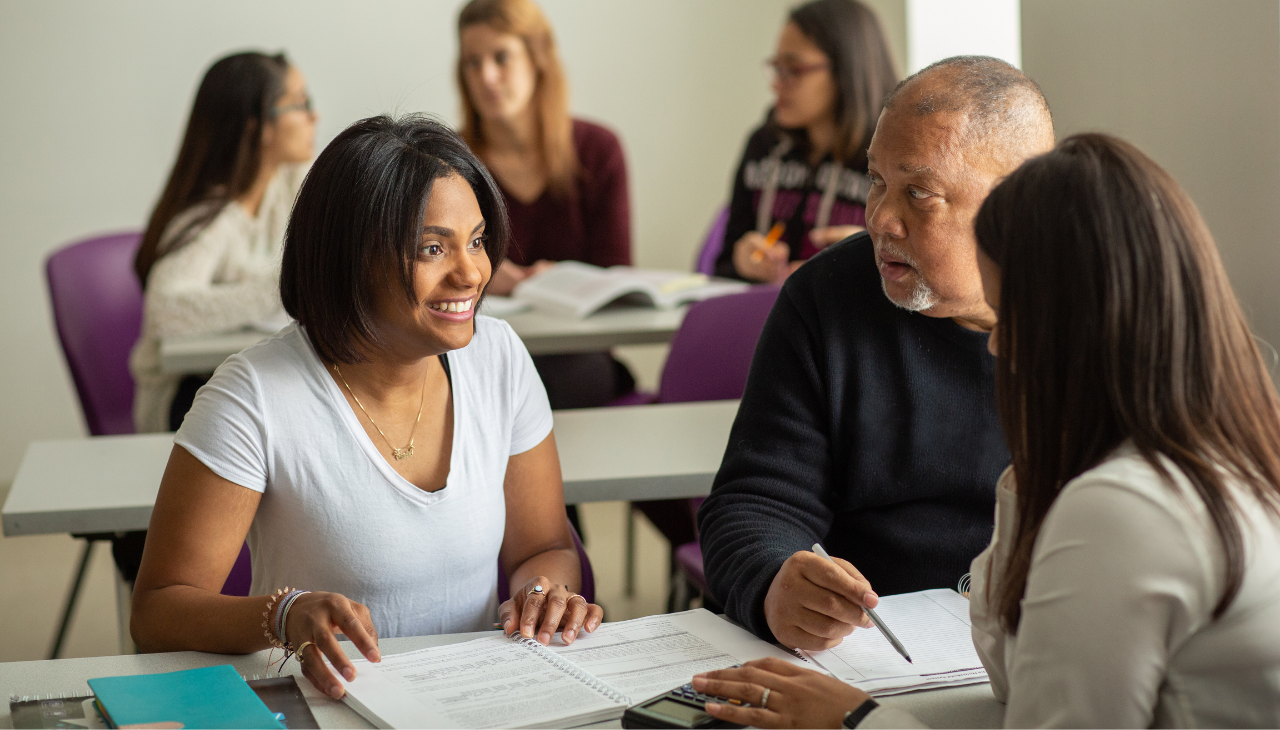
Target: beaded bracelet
<point>266,618</point>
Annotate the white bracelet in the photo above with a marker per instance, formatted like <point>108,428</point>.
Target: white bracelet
<point>284,616</point>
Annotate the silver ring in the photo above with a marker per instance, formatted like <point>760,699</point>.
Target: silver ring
<point>764,699</point>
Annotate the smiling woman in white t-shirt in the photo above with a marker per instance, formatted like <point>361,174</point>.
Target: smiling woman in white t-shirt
<point>384,453</point>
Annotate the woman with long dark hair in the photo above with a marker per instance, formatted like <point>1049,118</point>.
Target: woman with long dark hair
<point>209,258</point>
<point>805,167</point>
<point>1134,576</point>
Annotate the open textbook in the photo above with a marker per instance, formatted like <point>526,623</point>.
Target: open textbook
<point>578,289</point>
<point>497,681</point>
<point>933,625</point>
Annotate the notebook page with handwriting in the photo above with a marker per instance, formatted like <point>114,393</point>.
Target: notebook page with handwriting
<point>647,656</point>
<point>934,627</point>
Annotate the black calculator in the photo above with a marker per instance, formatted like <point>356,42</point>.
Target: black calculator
<point>682,707</point>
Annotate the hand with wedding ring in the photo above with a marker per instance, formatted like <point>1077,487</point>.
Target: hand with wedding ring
<point>782,695</point>
<point>553,606</point>
<point>314,620</point>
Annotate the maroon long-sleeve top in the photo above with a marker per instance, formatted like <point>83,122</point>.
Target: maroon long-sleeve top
<point>592,225</point>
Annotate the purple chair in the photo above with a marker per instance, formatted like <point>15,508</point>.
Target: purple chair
<point>713,244</point>
<point>709,360</point>
<point>97,311</point>
<point>584,564</point>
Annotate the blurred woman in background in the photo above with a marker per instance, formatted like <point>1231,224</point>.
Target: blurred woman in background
<point>564,180</point>
<point>805,167</point>
<point>209,259</point>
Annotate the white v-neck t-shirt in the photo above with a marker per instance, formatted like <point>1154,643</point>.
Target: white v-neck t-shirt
<point>334,515</point>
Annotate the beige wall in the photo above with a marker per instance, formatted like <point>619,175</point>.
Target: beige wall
<point>1196,85</point>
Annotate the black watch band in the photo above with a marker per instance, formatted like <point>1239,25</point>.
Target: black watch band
<point>853,717</point>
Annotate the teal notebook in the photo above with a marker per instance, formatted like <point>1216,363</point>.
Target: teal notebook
<point>210,697</point>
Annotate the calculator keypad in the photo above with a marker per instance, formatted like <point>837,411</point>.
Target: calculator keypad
<point>687,692</point>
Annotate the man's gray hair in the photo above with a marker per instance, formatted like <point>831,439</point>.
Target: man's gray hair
<point>1002,104</point>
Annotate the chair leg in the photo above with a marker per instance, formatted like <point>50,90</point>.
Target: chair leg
<point>680,597</point>
<point>629,554</point>
<point>124,609</point>
<point>72,596</point>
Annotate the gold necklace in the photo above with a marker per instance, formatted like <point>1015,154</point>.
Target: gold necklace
<point>400,454</point>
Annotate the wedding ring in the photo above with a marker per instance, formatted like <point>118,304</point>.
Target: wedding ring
<point>536,590</point>
<point>303,648</point>
<point>764,699</point>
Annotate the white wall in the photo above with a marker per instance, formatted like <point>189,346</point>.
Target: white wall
<point>93,97</point>
<point>938,29</point>
<point>1196,85</point>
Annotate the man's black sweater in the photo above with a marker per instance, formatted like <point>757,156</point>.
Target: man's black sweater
<point>863,426</point>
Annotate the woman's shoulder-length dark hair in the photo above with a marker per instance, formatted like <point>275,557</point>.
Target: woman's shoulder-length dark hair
<point>1117,323</point>
<point>221,149</point>
<point>357,225</point>
<point>850,36</point>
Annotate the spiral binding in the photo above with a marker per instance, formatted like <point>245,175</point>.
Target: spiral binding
<point>572,670</point>
<point>963,586</point>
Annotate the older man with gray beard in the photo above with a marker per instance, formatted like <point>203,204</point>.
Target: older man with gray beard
<point>868,423</point>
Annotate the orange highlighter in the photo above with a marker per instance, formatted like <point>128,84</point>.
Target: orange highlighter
<point>769,240</point>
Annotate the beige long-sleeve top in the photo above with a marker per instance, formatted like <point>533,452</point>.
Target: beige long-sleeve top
<point>1117,628</point>
<point>226,277</point>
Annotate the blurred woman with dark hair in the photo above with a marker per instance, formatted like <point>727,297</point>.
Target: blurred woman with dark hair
<point>564,180</point>
<point>805,167</point>
<point>210,256</point>
<point>1134,576</point>
<point>384,454</point>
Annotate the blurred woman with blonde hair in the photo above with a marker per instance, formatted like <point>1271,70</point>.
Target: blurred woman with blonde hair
<point>564,180</point>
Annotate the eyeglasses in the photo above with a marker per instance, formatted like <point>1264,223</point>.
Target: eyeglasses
<point>302,106</point>
<point>790,72</point>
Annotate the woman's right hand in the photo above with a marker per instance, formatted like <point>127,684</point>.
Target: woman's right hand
<point>318,617</point>
<point>757,262</point>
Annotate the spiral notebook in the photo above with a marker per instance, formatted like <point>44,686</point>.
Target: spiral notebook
<point>499,681</point>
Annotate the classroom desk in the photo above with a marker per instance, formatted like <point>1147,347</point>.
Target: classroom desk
<point>957,707</point>
<point>543,333</point>
<point>109,483</point>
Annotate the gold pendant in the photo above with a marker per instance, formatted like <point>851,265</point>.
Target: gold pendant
<point>402,454</point>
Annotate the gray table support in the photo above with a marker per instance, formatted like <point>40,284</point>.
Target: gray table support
<point>109,483</point>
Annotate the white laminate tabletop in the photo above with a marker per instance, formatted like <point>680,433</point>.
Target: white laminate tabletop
<point>542,332</point>
<point>109,483</point>
<point>957,707</point>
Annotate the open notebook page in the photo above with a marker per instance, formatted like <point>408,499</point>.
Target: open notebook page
<point>483,683</point>
<point>647,656</point>
<point>934,627</point>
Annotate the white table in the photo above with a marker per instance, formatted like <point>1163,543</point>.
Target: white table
<point>543,333</point>
<point>109,483</point>
<point>958,707</point>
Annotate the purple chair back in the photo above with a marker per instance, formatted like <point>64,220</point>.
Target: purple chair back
<point>241,576</point>
<point>713,244</point>
<point>711,353</point>
<point>97,308</point>
<point>584,564</point>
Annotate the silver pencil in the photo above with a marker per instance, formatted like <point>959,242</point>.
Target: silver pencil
<point>897,645</point>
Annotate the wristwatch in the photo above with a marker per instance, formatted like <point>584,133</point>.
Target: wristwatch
<point>853,717</point>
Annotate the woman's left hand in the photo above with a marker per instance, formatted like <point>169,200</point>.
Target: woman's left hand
<point>556,608</point>
<point>798,697</point>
